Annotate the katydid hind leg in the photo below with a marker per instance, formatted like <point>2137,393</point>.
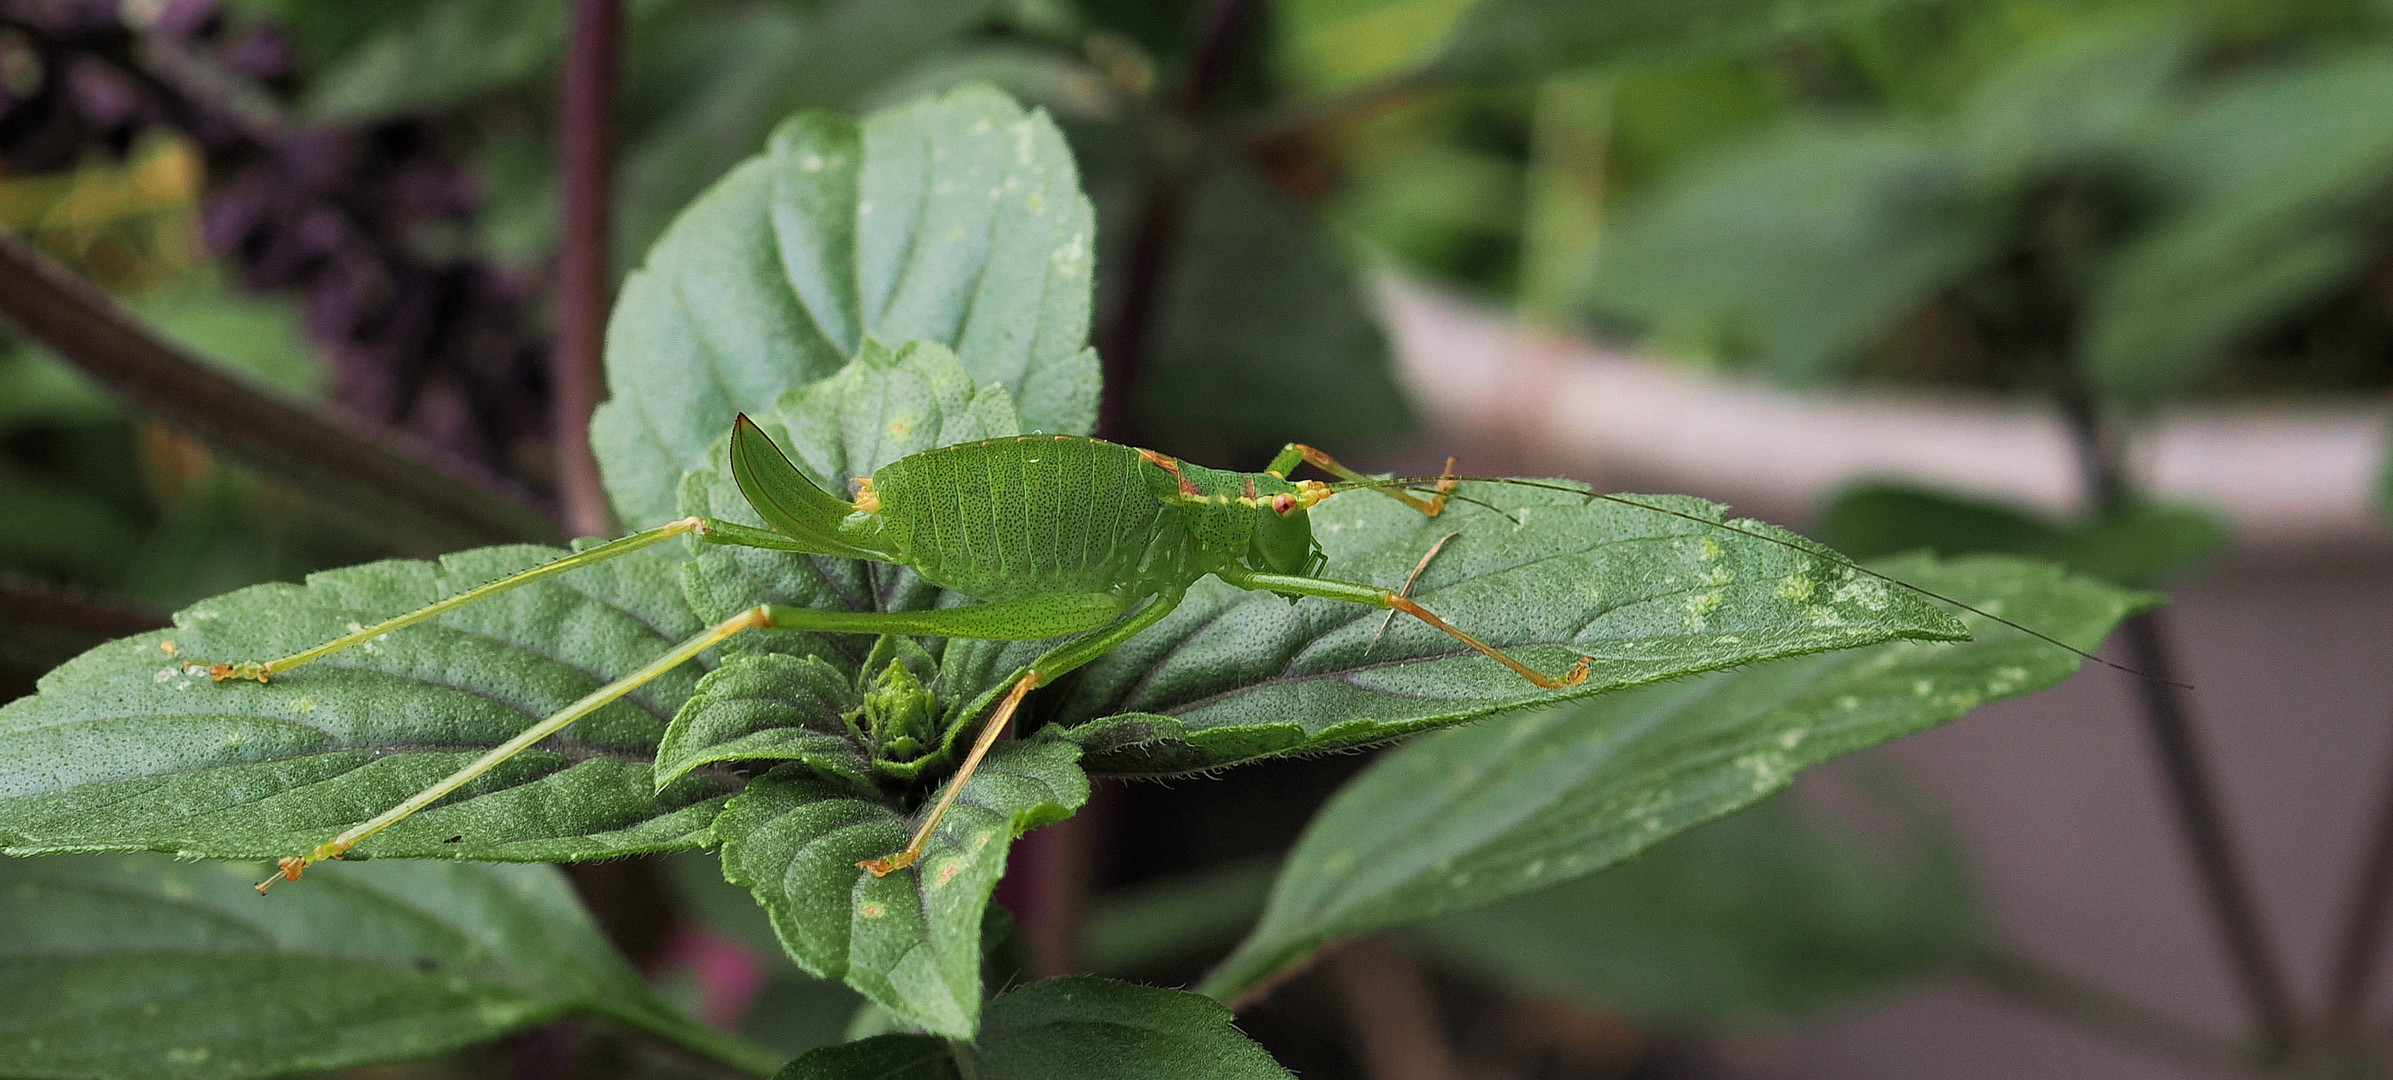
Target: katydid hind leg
<point>288,869</point>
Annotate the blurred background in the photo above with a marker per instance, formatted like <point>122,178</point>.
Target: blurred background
<point>2108,282</point>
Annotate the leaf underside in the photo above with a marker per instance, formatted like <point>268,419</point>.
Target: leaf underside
<point>1081,1027</point>
<point>1764,916</point>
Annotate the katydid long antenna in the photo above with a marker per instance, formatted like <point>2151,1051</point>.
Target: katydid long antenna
<point>1448,480</point>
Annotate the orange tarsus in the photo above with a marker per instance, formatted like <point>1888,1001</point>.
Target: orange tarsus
<point>287,868</point>
<point>1446,482</point>
<point>996,724</point>
<point>250,669</point>
<point>867,499</point>
<point>1430,506</point>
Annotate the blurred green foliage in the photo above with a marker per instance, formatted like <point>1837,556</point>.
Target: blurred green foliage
<point>2164,198</point>
<point>2142,544</point>
<point>1764,917</point>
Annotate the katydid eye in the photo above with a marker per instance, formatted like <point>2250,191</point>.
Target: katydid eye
<point>1284,504</point>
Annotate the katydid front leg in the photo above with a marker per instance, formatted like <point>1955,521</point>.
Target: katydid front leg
<point>1294,454</point>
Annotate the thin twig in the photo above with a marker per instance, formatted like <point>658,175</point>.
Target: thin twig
<point>575,373</point>
<point>1155,233</point>
<point>2103,1012</point>
<point>2363,938</point>
<point>371,471</point>
<point>1058,867</point>
<point>1393,1015</point>
<point>1307,115</point>
<point>2192,793</point>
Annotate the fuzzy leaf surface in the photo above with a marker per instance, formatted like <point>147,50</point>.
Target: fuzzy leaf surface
<point>1548,575</point>
<point>125,749</point>
<point>141,966</point>
<point>910,941</point>
<point>1088,1028</point>
<point>767,707</point>
<point>1469,817</point>
<point>957,219</point>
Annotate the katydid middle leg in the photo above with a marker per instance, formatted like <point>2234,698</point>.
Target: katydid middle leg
<point>1053,665</point>
<point>1028,619</point>
<point>1327,589</point>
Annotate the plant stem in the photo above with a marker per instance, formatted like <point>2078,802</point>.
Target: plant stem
<point>1394,1017</point>
<point>1312,114</point>
<point>1122,346</point>
<point>2102,1012</point>
<point>1057,864</point>
<point>2192,793</point>
<point>717,1050</point>
<point>2363,936</point>
<point>575,372</point>
<point>374,473</point>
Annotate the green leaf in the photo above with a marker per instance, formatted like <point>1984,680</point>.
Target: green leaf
<point>881,1057</point>
<point>1763,916</point>
<point>1176,917</point>
<point>1799,249</point>
<point>2144,544</point>
<point>957,219</point>
<point>1328,45</point>
<point>1546,573</point>
<point>707,83</point>
<point>126,749</point>
<point>1480,814</point>
<point>140,966</point>
<point>1263,306</point>
<point>2384,484</point>
<point>1517,40</point>
<point>767,707</point>
<point>480,45</point>
<point>1080,1027</point>
<point>2284,177</point>
<point>910,941</point>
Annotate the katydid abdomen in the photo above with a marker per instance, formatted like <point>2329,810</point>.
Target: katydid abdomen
<point>1034,515</point>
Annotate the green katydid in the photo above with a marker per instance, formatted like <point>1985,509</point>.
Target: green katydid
<point>986,519</point>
